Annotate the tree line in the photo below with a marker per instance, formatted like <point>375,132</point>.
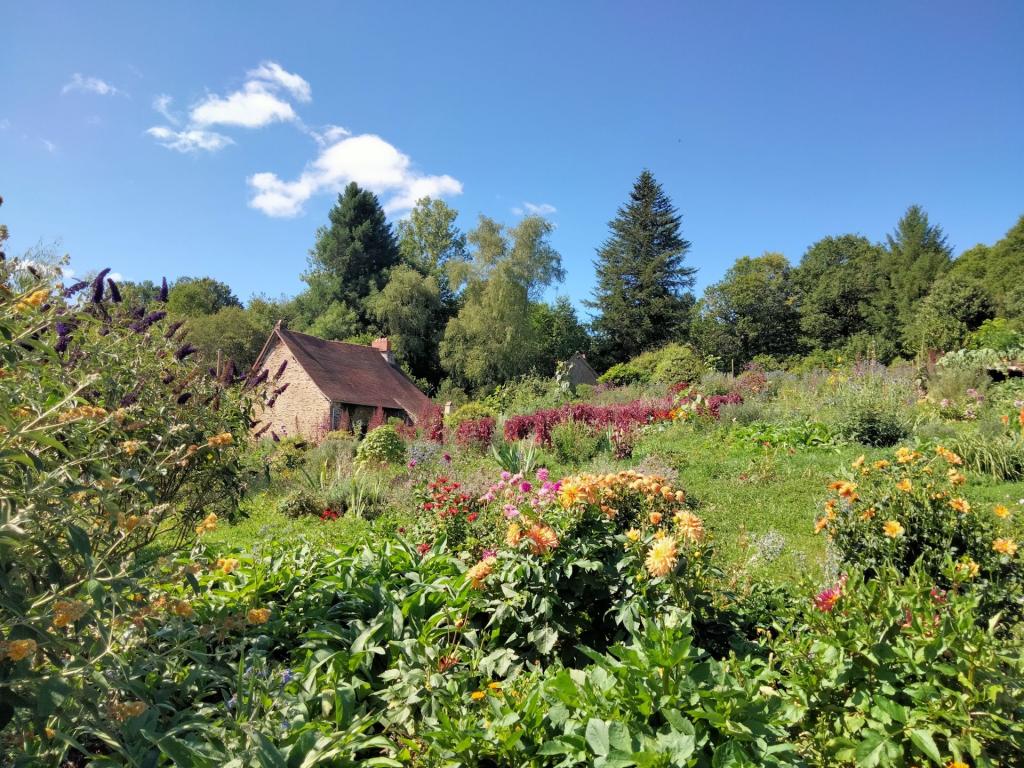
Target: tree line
<point>465,310</point>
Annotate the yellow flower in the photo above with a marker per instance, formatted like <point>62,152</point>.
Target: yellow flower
<point>948,455</point>
<point>892,529</point>
<point>120,712</point>
<point>208,524</point>
<point>689,526</point>
<point>967,568</point>
<point>227,564</point>
<point>960,505</point>
<point>570,495</point>
<point>128,523</point>
<point>16,650</point>
<point>906,455</point>
<point>258,615</point>
<point>513,534</point>
<point>218,441</point>
<point>34,299</point>
<point>655,518</point>
<point>881,464</point>
<point>633,534</point>
<point>680,496</point>
<point>867,514</point>
<point>68,612</point>
<point>481,571</point>
<point>1000,510</point>
<point>662,557</point>
<point>494,686</point>
<point>905,485</point>
<point>858,462</point>
<point>477,695</point>
<point>957,764</point>
<point>131,447</point>
<point>1005,546</point>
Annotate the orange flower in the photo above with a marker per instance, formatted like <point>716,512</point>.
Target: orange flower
<point>892,529</point>
<point>479,572</point>
<point>967,568</point>
<point>655,518</point>
<point>477,695</point>
<point>867,514</point>
<point>881,464</point>
<point>542,539</point>
<point>227,564</point>
<point>16,650</point>
<point>960,505</point>
<point>905,485</point>
<point>845,489</point>
<point>821,524</point>
<point>948,455</point>
<point>858,462</point>
<point>956,478</point>
<point>906,455</point>
<point>1005,547</point>
<point>208,524</point>
<point>182,608</point>
<point>680,496</point>
<point>690,526</point>
<point>1000,510</point>
<point>67,612</point>
<point>258,615</point>
<point>219,441</point>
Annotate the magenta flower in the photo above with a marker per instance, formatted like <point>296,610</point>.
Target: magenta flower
<point>447,458</point>
<point>511,511</point>
<point>412,462</point>
<point>542,474</point>
<point>525,487</point>
<point>826,599</point>
<point>506,476</point>
<point>489,553</point>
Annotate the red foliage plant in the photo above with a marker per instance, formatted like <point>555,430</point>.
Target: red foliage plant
<point>475,432</point>
<point>623,418</point>
<point>377,420</point>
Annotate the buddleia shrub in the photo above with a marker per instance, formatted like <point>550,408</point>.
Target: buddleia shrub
<point>112,435</point>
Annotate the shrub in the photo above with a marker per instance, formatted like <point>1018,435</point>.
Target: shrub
<point>300,502</point>
<point>288,455</point>
<point>475,433</point>
<point>670,364</point>
<point>575,442</point>
<point>468,412</point>
<point>624,417</point>
<point>381,446</point>
<point>910,510</point>
<point>900,671</point>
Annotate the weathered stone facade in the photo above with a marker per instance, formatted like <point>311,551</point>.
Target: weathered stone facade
<point>302,410</point>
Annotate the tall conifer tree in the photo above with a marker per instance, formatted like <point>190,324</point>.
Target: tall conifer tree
<point>643,288</point>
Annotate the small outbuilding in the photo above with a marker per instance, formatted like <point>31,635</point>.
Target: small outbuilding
<point>579,371</point>
<point>319,386</point>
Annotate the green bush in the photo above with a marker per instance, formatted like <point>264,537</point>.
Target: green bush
<point>288,455</point>
<point>575,442</point>
<point>892,671</point>
<point>300,502</point>
<point>910,511</point>
<point>381,446</point>
<point>668,365</point>
<point>872,424</point>
<point>468,412</point>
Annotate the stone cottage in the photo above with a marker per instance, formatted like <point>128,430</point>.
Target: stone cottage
<point>327,385</point>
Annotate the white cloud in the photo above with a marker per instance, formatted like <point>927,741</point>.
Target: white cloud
<point>259,102</point>
<point>162,104</point>
<point>252,107</point>
<point>273,75</point>
<point>78,82</point>
<point>366,159</point>
<point>190,139</point>
<point>534,209</point>
<point>50,146</point>
<point>329,134</point>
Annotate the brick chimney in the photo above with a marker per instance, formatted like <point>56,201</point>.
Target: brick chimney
<point>383,345</point>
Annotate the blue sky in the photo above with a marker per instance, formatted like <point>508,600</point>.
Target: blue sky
<point>769,124</point>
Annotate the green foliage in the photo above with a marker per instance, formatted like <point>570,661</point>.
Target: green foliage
<point>197,296</point>
<point>410,312</point>
<point>671,364</point>
<point>752,311</point>
<point>642,294</point>
<point>468,412</point>
<point>299,502</point>
<point>575,442</point>
<point>516,458</point>
<point>559,332</point>
<point>838,279</point>
<point>869,410</point>
<point>896,672</point>
<point>945,318</point>
<point>524,395</point>
<point>917,255</point>
<point>110,439</point>
<point>493,339</point>
<point>805,434</point>
<point>382,445</point>
<point>991,265</point>
<point>236,333</point>
<point>996,333</point>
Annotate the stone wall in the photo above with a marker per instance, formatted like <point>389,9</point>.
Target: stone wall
<point>302,410</point>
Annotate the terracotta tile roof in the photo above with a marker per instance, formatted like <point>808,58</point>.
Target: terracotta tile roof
<point>354,374</point>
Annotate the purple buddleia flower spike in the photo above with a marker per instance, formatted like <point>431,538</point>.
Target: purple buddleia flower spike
<point>280,369</point>
<point>261,430</point>
<point>173,328</point>
<point>168,378</point>
<point>184,397</point>
<point>185,350</point>
<point>115,294</point>
<point>132,397</point>
<point>97,286</point>
<point>162,296</point>
<point>75,288</point>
